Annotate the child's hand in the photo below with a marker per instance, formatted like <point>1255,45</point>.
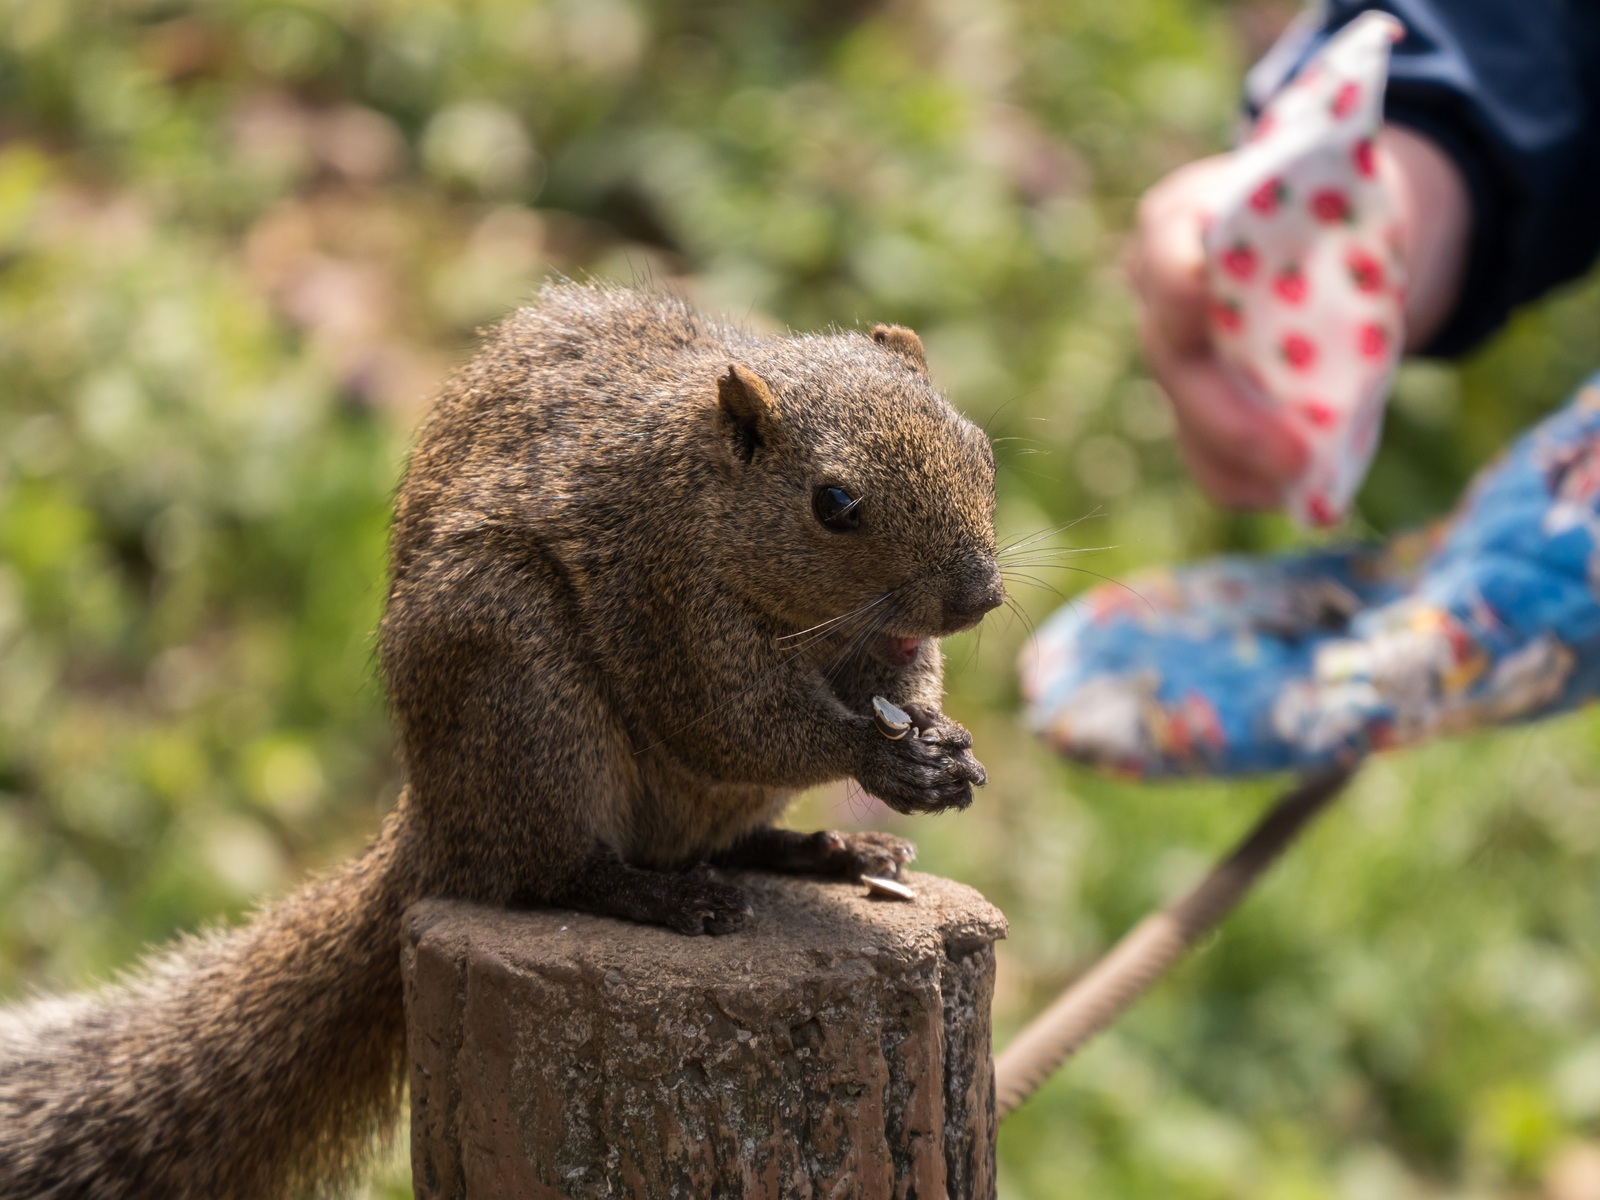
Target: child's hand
<point>1241,454</point>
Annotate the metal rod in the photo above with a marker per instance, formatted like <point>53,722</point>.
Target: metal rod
<point>1148,951</point>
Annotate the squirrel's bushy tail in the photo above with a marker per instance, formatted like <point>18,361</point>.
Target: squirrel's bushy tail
<point>238,1066</point>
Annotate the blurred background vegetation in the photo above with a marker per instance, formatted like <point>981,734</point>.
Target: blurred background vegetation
<point>240,245</point>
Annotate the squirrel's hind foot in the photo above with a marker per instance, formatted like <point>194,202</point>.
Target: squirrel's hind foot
<point>868,852</point>
<point>830,852</point>
<point>689,902</point>
<point>698,903</point>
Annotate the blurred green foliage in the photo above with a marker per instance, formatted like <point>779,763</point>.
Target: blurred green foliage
<point>241,243</point>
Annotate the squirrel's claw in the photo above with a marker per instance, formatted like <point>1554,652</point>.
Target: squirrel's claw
<point>931,772</point>
<point>701,904</point>
<point>852,855</point>
<point>933,726</point>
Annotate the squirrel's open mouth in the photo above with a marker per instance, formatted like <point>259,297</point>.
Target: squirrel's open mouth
<point>903,650</point>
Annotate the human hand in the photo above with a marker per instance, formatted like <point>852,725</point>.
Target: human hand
<point>1242,454</point>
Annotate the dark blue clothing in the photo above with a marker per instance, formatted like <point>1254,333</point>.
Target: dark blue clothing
<point>1511,90</point>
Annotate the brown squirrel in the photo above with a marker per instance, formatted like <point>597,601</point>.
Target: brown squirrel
<point>648,573</point>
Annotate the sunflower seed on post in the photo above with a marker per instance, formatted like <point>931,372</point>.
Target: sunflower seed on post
<point>891,889</point>
<point>892,720</point>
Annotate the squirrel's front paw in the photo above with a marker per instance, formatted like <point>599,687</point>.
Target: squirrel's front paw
<point>696,903</point>
<point>933,726</point>
<point>852,855</point>
<point>930,772</point>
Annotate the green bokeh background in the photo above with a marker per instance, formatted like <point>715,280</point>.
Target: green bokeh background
<point>241,243</point>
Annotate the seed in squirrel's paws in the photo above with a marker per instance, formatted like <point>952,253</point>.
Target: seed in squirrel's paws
<point>892,720</point>
<point>889,889</point>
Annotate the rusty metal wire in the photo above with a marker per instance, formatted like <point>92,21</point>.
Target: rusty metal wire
<point>1149,950</point>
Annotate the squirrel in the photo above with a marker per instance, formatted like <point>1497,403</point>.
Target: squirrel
<point>648,573</point>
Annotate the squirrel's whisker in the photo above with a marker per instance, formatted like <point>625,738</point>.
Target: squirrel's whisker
<point>1030,539</point>
<point>1021,613</point>
<point>793,654</point>
<point>834,620</point>
<point>860,640</point>
<point>1037,565</point>
<point>977,644</point>
<point>843,623</point>
<point>1129,588</point>
<point>1043,555</point>
<point>1032,581</point>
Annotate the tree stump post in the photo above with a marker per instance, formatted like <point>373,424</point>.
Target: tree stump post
<point>838,1046</point>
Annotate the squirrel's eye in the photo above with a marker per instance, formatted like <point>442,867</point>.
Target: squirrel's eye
<point>836,508</point>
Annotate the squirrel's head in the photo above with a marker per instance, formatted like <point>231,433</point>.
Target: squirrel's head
<point>861,502</point>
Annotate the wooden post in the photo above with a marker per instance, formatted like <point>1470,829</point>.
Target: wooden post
<point>838,1046</point>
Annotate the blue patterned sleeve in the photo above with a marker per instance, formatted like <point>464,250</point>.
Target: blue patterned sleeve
<point>1240,666</point>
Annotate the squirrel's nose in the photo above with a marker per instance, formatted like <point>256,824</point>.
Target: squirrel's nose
<point>983,593</point>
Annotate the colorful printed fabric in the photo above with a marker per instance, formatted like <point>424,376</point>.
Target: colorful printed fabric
<point>1304,269</point>
<point>1238,666</point>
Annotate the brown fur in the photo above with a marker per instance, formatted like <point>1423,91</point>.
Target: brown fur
<point>618,639</point>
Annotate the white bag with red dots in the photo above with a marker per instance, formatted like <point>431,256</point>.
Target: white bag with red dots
<point>1304,266</point>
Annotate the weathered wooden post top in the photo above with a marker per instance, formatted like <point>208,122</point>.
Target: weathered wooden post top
<point>838,1046</point>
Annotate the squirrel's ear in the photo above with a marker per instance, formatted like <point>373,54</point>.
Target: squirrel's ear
<point>745,409</point>
<point>902,341</point>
